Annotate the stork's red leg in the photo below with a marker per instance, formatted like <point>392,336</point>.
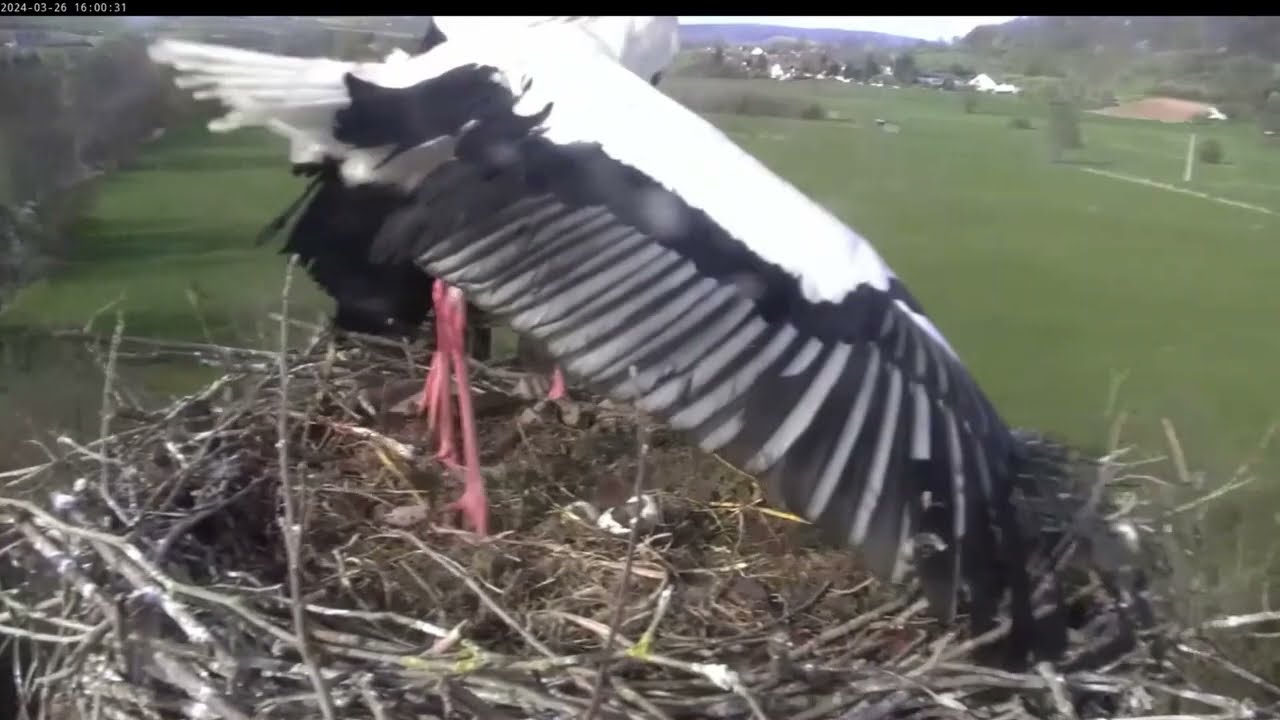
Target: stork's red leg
<point>435,393</point>
<point>557,389</point>
<point>473,503</point>
<point>429,403</point>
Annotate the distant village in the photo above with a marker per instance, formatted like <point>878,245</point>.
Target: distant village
<point>21,45</point>
<point>796,61</point>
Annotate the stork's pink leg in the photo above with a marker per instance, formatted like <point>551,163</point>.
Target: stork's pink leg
<point>429,403</point>
<point>557,390</point>
<point>436,398</point>
<point>473,503</point>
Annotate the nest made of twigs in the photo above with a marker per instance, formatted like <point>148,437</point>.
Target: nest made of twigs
<point>171,568</point>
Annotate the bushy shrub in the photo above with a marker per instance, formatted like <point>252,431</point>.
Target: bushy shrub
<point>1020,123</point>
<point>753,104</point>
<point>756,104</point>
<point>1063,128</point>
<point>1210,151</point>
<point>65,116</point>
<point>813,111</point>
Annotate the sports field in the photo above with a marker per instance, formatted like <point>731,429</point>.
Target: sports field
<point>1050,279</point>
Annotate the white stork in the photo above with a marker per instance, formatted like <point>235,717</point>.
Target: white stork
<point>335,225</point>
<point>662,265</point>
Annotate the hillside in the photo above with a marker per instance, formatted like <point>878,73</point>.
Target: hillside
<point>1232,61</point>
<point>735,34</point>
<point>1229,35</point>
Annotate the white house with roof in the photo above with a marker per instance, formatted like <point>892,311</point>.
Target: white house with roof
<point>984,83</point>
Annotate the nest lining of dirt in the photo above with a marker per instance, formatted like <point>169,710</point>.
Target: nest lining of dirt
<point>157,582</point>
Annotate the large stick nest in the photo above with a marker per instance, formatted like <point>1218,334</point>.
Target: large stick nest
<point>157,580</point>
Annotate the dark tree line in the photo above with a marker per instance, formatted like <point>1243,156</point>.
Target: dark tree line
<point>68,114</point>
<point>1237,35</point>
<point>65,116</point>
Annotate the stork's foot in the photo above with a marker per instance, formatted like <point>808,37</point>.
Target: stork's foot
<point>557,391</point>
<point>447,455</point>
<point>474,506</point>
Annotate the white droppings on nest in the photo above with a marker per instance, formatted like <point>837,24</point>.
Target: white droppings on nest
<point>1139,700</point>
<point>62,502</point>
<point>149,593</point>
<point>583,510</point>
<point>648,515</point>
<point>721,675</point>
<point>1128,534</point>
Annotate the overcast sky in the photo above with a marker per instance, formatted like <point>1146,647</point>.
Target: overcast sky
<point>926,27</point>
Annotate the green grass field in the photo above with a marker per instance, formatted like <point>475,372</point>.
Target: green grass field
<point>172,238</point>
<point>1048,279</point>
<point>170,242</point>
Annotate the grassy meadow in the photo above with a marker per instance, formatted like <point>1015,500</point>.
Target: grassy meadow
<point>1050,280</point>
<point>171,238</point>
<point>170,243</point>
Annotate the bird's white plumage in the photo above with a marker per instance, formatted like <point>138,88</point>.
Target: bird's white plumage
<point>788,230</point>
<point>557,64</point>
<point>297,98</point>
<point>293,97</point>
<point>829,409</point>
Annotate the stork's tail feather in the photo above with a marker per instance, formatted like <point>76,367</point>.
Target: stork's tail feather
<point>1054,525</point>
<point>320,172</point>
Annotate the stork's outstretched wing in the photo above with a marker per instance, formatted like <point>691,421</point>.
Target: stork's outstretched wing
<point>663,265</point>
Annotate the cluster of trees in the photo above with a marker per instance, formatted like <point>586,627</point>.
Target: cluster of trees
<point>1063,128</point>
<point>1240,85</point>
<point>751,103</point>
<point>1229,61</point>
<point>1237,35</point>
<point>812,61</point>
<point>715,64</point>
<point>66,115</point>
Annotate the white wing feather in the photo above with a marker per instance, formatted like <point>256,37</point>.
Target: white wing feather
<point>568,72</point>
<point>297,98</point>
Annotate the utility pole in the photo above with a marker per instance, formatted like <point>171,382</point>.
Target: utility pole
<point>1191,159</point>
